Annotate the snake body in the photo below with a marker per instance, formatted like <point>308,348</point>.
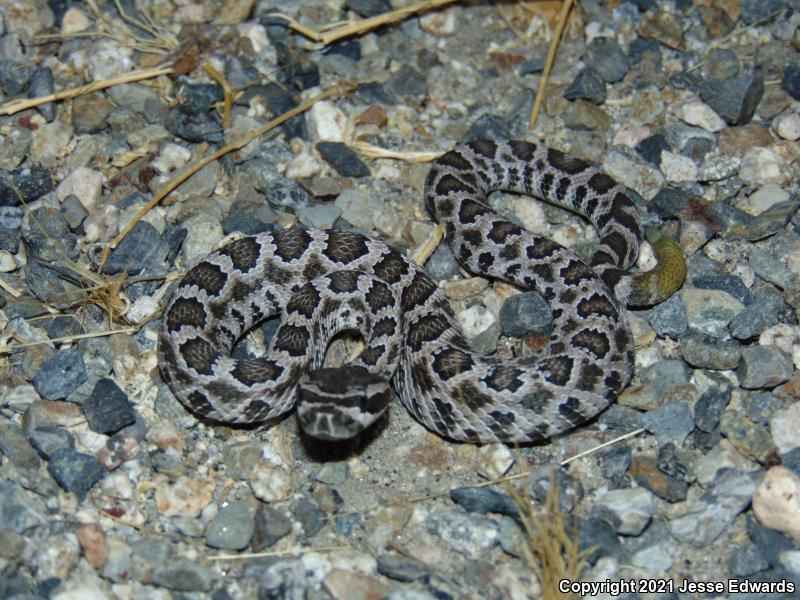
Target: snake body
<point>322,282</point>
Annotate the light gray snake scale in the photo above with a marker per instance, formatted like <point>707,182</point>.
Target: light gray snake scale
<point>323,282</point>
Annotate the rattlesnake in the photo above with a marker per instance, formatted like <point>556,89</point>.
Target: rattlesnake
<point>322,282</point>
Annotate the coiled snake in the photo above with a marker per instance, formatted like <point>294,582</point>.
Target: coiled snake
<point>323,282</point>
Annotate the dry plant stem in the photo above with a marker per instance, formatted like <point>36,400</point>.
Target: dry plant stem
<point>364,24</point>
<point>69,338</point>
<point>9,108</point>
<point>548,65</point>
<point>227,90</point>
<point>372,151</point>
<point>291,552</point>
<point>235,144</point>
<point>10,288</point>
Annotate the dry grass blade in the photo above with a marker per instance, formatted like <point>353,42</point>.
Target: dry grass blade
<point>227,90</point>
<point>235,144</point>
<point>144,35</point>
<point>290,552</point>
<point>548,65</point>
<point>371,151</point>
<point>354,28</point>
<point>14,106</point>
<point>68,338</point>
<point>552,546</point>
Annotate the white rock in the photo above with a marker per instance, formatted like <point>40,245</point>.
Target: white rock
<point>203,235</point>
<point>630,170</point>
<point>74,21</point>
<point>787,126</point>
<point>117,484</point>
<point>109,59</point>
<point>7,262</point>
<point>142,308</point>
<point>475,320</point>
<point>52,139</point>
<point>776,502</point>
<point>86,184</point>
<point>631,134</point>
<point>326,123</point>
<point>494,460</point>
<point>257,34</point>
<point>784,426</point>
<point>700,114</point>
<point>171,157</point>
<point>270,483</point>
<point>762,165</point>
<point>678,168</point>
<point>530,213</point>
<point>440,22</point>
<point>303,165</point>
<point>763,199</point>
<point>187,496</point>
<point>102,224</point>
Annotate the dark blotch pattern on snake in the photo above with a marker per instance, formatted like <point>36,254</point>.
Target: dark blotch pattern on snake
<point>322,282</point>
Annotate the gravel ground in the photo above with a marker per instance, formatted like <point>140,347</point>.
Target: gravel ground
<point>111,489</point>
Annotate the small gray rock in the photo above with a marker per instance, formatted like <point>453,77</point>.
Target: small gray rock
<point>764,367</point>
<point>671,422</point>
<point>232,528</point>
<point>108,409</point>
<point>588,85</point>
<point>525,313</point>
<point>734,99</point>
<point>74,471</point>
<point>183,575</point>
<point>60,375</point>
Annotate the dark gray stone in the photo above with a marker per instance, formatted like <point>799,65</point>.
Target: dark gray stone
<point>665,374</point>
<point>670,422</point>
<point>669,318</point>
<point>232,528</point>
<point>764,367</point>
<point>650,149</point>
<point>74,471</point>
<point>790,81</point>
<point>183,575</point>
<point>310,516</point>
<point>488,126</point>
<point>706,352</point>
<point>588,85</point>
<point>598,539</point>
<point>525,313</point>
<point>606,57</point>
<point>108,409</point>
<point>675,462</point>
<point>709,407</point>
<point>730,284</point>
<point>24,184</point>
<point>734,99</point>
<point>442,264</point>
<point>762,313</point>
<point>570,489</point>
<point>483,500</point>
<point>142,249</point>
<point>369,8</point>
<point>408,83</point>
<point>16,447</point>
<point>42,84</point>
<point>615,461</point>
<point>48,438</point>
<point>60,375</point>
<point>344,160</point>
<point>401,568</point>
<point>747,560</point>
